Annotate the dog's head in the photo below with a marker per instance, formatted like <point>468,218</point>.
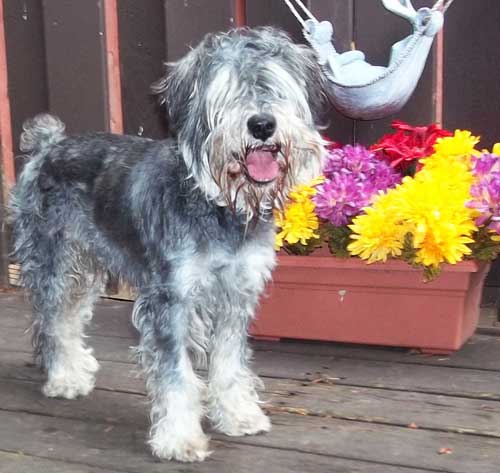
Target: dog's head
<point>245,106</point>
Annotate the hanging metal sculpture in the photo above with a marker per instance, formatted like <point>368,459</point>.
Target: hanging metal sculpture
<point>363,91</point>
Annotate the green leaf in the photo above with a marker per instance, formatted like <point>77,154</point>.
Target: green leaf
<point>431,272</point>
<point>484,248</point>
<point>303,250</point>
<point>409,252</point>
<point>411,169</point>
<point>338,239</point>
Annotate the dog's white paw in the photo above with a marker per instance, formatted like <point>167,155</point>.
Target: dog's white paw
<point>174,444</point>
<point>74,378</point>
<point>247,419</point>
<point>69,387</point>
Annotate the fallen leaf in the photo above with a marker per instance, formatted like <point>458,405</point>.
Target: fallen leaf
<point>445,451</point>
<point>325,380</point>
<point>290,410</point>
<point>487,408</point>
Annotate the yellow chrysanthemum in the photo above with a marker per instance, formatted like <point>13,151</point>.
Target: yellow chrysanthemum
<point>452,154</point>
<point>461,144</point>
<point>496,149</point>
<point>443,243</point>
<point>298,221</point>
<point>443,164</point>
<point>430,207</point>
<point>441,223</point>
<point>377,236</point>
<point>304,192</point>
<point>298,224</point>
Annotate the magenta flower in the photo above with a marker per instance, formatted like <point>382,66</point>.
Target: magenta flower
<point>383,177</point>
<point>485,164</point>
<point>356,159</point>
<point>339,199</point>
<point>354,176</point>
<point>486,191</point>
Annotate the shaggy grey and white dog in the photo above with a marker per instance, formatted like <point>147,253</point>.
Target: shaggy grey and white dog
<point>188,221</point>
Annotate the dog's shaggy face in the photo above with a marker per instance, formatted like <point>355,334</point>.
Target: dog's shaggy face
<point>243,105</point>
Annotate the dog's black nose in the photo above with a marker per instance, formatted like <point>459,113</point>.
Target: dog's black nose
<point>262,126</point>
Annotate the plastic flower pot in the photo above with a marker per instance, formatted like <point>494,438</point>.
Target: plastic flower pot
<point>325,298</point>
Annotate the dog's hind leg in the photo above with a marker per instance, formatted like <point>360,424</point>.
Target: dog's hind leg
<point>175,390</point>
<point>72,368</point>
<point>63,292</point>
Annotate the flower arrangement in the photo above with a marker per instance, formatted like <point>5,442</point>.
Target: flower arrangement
<point>421,194</point>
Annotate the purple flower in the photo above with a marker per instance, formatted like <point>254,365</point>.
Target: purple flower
<point>485,164</point>
<point>383,176</point>
<point>485,192</point>
<point>358,159</point>
<point>339,199</point>
<point>354,177</point>
<point>352,158</point>
<point>486,199</point>
<point>334,162</point>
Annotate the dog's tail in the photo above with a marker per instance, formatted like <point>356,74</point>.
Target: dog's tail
<point>26,212</point>
<point>41,132</point>
<point>39,135</point>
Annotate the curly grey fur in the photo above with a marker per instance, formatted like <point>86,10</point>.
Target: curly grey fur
<point>181,220</point>
<point>40,133</point>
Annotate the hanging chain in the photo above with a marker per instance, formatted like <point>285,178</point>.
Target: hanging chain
<point>297,14</point>
<point>442,5</point>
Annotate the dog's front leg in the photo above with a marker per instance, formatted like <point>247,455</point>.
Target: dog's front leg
<point>233,400</point>
<point>175,390</point>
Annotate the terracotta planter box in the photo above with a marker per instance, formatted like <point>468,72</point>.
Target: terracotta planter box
<point>346,300</point>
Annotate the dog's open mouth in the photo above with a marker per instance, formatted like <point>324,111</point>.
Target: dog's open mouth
<point>261,164</point>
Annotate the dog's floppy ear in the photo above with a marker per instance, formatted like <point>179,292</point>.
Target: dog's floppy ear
<point>176,88</point>
<point>316,85</point>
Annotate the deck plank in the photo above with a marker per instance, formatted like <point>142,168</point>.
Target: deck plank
<point>102,444</point>
<point>107,445</point>
<point>480,352</point>
<point>21,463</point>
<point>335,408</point>
<point>452,381</point>
<point>452,414</point>
<point>113,320</point>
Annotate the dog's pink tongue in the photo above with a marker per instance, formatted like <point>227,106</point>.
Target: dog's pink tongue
<point>262,166</point>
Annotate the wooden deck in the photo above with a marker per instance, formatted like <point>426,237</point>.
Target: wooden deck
<point>335,408</point>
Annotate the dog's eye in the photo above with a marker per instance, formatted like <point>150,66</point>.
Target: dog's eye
<point>253,46</point>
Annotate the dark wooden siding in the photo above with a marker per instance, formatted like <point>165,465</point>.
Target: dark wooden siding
<point>188,22</point>
<point>25,63</point>
<point>143,52</point>
<point>471,85</point>
<point>56,57</point>
<point>74,43</point>
<point>472,68</point>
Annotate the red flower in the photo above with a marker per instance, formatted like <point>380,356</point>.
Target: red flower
<point>408,144</point>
